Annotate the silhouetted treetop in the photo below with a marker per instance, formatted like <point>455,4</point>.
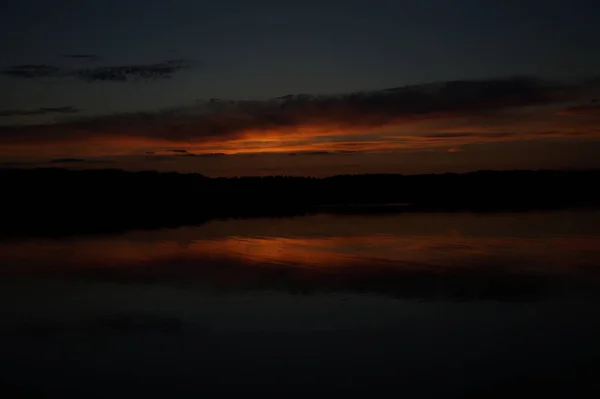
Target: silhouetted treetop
<point>54,197</point>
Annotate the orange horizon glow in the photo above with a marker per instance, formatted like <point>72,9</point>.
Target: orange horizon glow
<point>444,116</point>
<point>407,136</point>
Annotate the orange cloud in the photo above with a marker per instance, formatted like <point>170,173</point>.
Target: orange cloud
<point>593,110</point>
<point>444,115</point>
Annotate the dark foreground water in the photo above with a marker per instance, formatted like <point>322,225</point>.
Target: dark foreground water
<point>413,305</point>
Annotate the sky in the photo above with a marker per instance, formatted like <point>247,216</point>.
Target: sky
<point>300,88</point>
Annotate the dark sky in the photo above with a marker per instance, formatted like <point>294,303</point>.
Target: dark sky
<point>84,78</point>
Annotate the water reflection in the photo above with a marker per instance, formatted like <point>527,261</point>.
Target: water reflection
<point>438,305</point>
<point>459,256</point>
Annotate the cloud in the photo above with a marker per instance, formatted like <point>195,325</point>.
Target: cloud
<point>581,110</point>
<point>446,114</point>
<point>16,163</point>
<point>77,160</point>
<point>39,111</point>
<point>119,73</point>
<point>155,156</point>
<point>32,71</point>
<point>467,135</point>
<point>67,160</point>
<point>177,152</point>
<point>206,155</point>
<point>335,152</point>
<point>125,73</point>
<point>87,57</point>
<point>312,153</point>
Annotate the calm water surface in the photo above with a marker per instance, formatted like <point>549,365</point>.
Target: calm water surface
<point>425,305</point>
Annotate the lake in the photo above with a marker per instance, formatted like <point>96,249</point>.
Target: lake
<point>413,304</point>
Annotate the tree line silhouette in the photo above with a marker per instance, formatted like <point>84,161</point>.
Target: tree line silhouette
<point>52,200</point>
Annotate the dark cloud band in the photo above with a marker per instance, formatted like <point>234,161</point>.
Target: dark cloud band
<point>87,57</point>
<point>122,73</point>
<point>39,111</point>
<point>220,121</point>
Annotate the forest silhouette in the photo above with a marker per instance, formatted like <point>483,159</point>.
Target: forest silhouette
<point>55,201</point>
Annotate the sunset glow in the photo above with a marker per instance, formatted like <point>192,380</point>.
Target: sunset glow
<point>450,117</point>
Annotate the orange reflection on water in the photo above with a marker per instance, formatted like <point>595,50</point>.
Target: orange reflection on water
<point>117,252</point>
<point>280,250</point>
<point>445,251</point>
